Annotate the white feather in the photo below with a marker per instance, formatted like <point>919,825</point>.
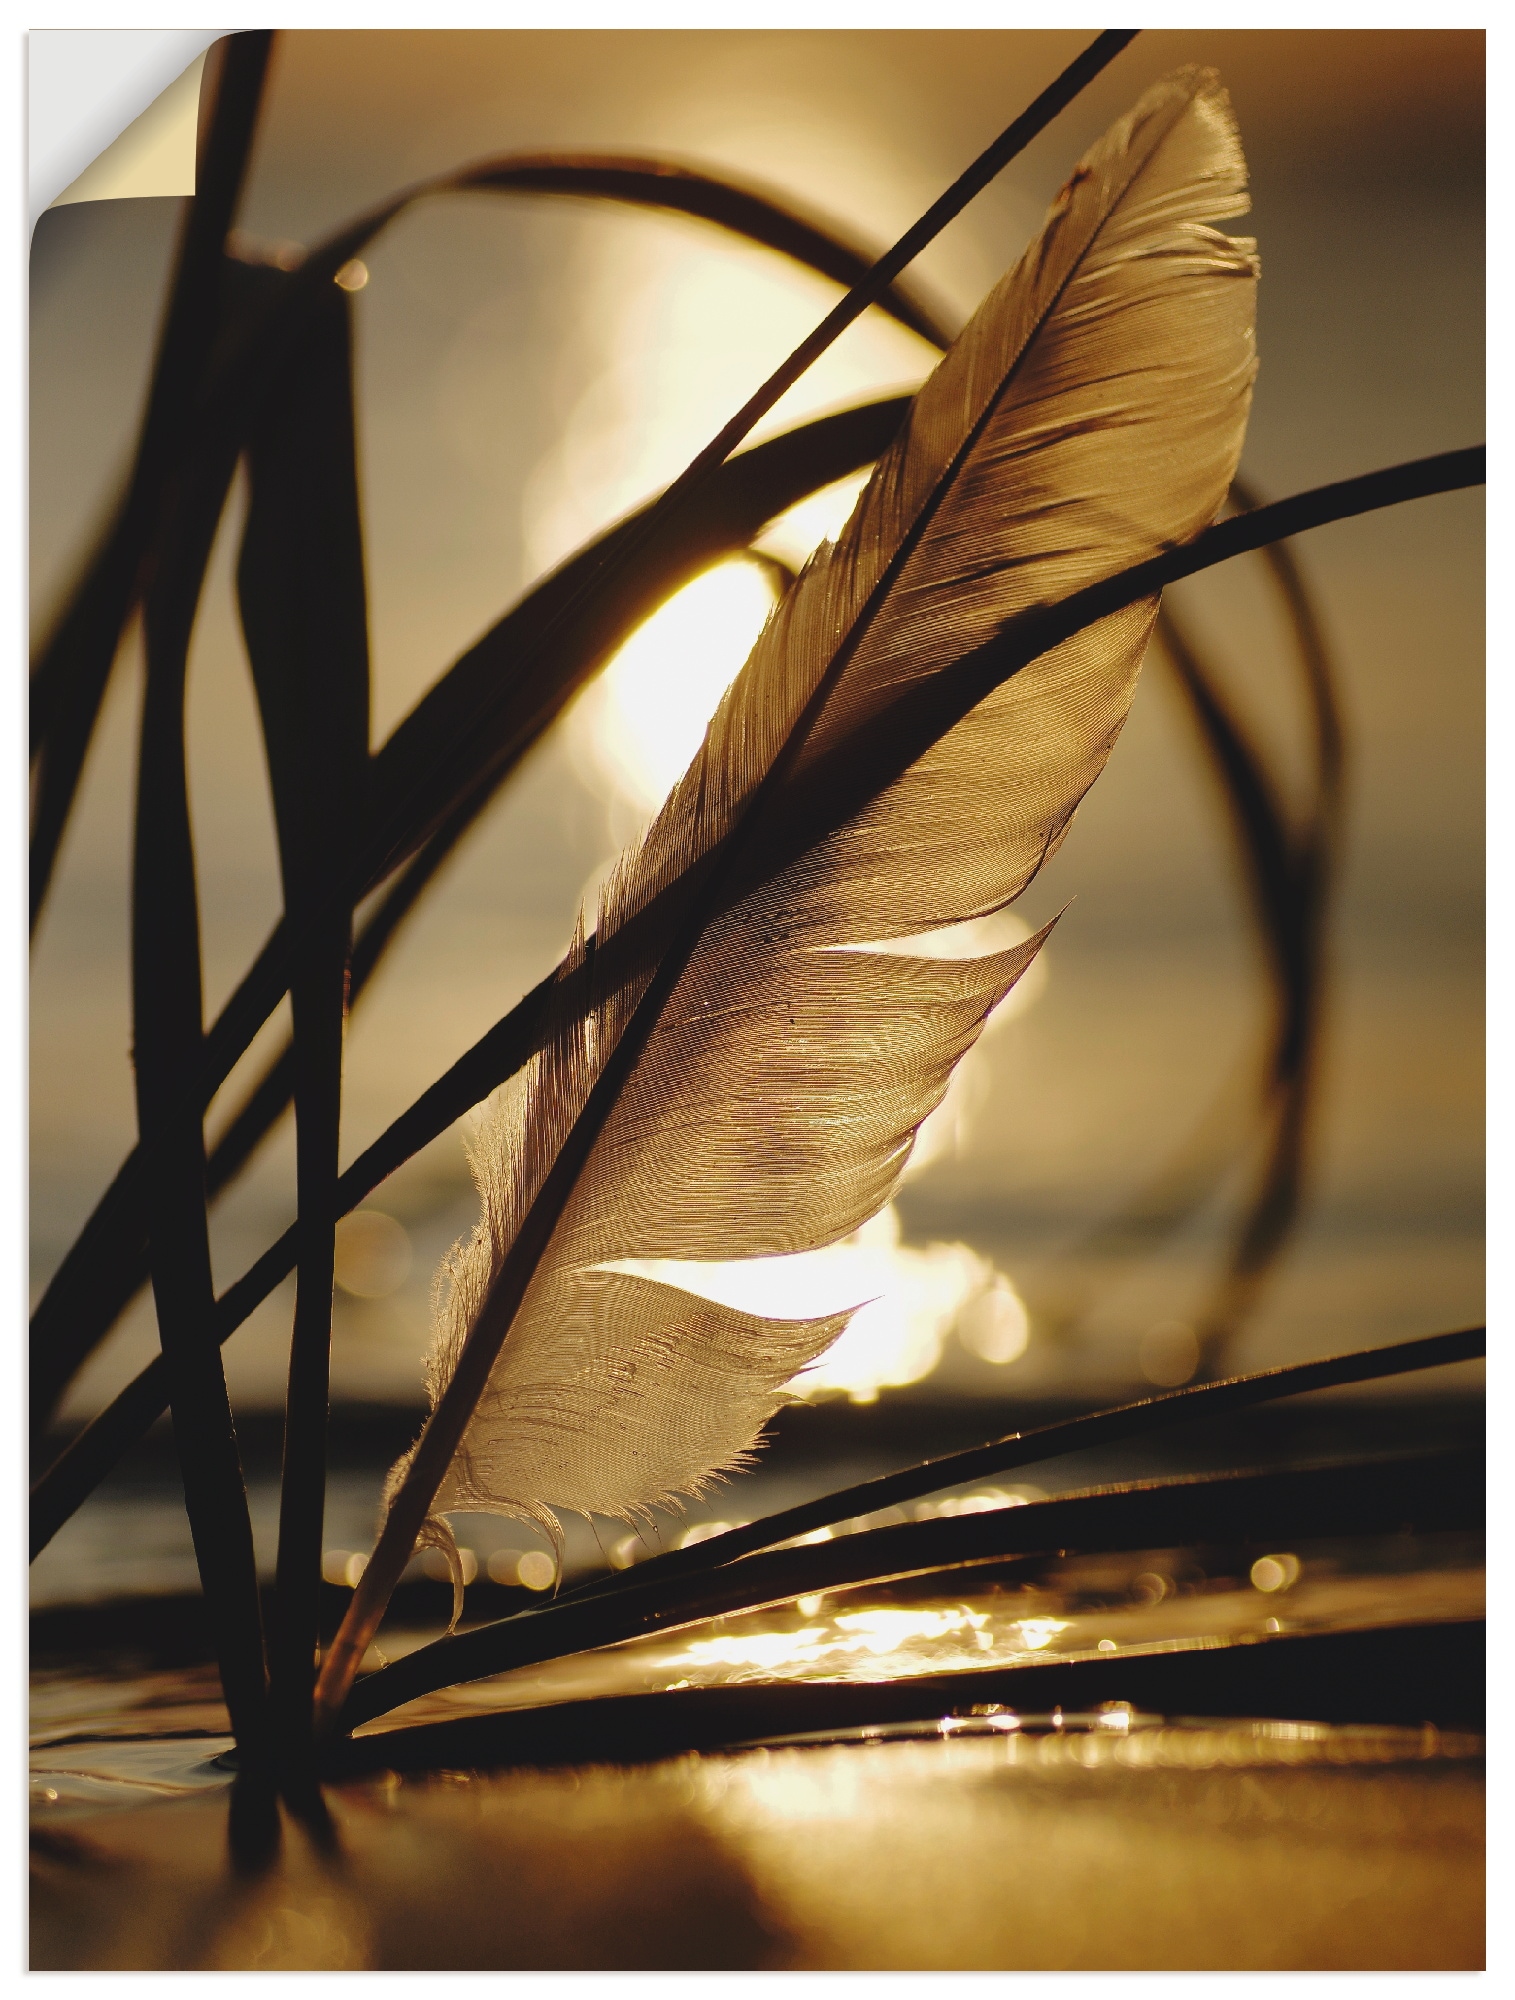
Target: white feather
<point>1090,416</point>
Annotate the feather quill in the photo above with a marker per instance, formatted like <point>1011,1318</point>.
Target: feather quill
<point>1090,416</point>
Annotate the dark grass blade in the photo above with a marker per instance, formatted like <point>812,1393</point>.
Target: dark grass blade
<point>1403,1675</point>
<point>1289,871</point>
<point>166,1021</point>
<point>1317,668</point>
<point>91,1455</point>
<point>69,681</point>
<point>106,1265</point>
<point>1432,1493</point>
<point>1315,858</point>
<point>304,614</point>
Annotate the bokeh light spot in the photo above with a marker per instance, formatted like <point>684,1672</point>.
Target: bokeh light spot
<point>1169,1353</point>
<point>372,1255</point>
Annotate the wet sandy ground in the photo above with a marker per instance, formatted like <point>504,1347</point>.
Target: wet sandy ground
<point>987,1840</point>
<point>1219,1847</point>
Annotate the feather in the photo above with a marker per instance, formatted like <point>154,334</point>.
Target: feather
<point>1089,416</point>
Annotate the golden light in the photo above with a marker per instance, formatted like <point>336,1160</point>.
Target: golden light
<point>908,1301</point>
<point>819,518</point>
<point>883,1631</point>
<point>1037,1633</point>
<point>638,727</point>
<point>342,1567</point>
<point>672,330</point>
<point>536,1570</point>
<point>996,1326</point>
<point>1169,1353</point>
<point>435,1565</point>
<point>1271,1573</point>
<point>533,1568</point>
<point>373,1254</point>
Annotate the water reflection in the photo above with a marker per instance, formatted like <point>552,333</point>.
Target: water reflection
<point>1006,1615</point>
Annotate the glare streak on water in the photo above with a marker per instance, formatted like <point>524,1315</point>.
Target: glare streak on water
<point>1079,1609</point>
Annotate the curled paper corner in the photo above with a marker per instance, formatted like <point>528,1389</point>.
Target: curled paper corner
<point>155,155</point>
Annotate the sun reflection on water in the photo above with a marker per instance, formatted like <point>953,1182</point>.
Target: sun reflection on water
<point>909,1301</point>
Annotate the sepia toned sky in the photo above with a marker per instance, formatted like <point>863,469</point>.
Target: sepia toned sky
<point>530,369</point>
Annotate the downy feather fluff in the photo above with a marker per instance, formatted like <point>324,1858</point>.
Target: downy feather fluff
<point>1090,415</point>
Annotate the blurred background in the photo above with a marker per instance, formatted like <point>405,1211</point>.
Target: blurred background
<point>532,368</point>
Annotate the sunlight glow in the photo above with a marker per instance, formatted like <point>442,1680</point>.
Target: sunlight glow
<point>638,726</point>
<point>819,517</point>
<point>672,332</point>
<point>909,1301</point>
<point>879,1642</point>
<point>871,1633</point>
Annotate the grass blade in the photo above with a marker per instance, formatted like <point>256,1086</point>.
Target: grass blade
<point>1300,947</point>
<point>1289,871</point>
<point>681,190</point>
<point>166,1020</point>
<point>1085,1433</point>
<point>304,613</point>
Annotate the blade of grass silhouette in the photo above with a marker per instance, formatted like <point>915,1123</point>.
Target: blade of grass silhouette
<point>1025,1448</point>
<point>1402,1677</point>
<point>1289,869</point>
<point>1432,1492</point>
<point>422,756</point>
<point>1287,898</point>
<point>105,1266</point>
<point>1269,1217</point>
<point>1264,849</point>
<point>515,1038</point>
<point>1318,670</point>
<point>69,681</point>
<point>166,1036</point>
<point>746,1568</point>
<point>302,594</point>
